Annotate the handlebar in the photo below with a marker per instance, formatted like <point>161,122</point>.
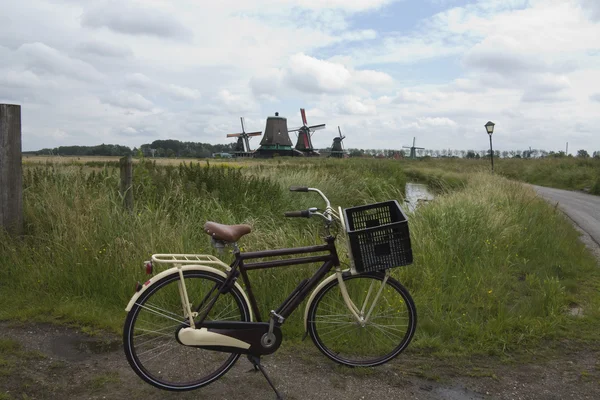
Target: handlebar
<point>301,214</point>
<point>327,213</point>
<point>298,189</point>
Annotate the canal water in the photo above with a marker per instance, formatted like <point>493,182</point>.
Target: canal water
<point>416,194</point>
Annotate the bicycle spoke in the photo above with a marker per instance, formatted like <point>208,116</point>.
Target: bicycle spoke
<point>159,332</point>
<point>161,314</point>
<point>155,348</point>
<point>152,347</point>
<point>376,340</point>
<point>396,337</point>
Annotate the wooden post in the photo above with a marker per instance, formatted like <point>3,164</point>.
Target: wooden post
<point>126,164</point>
<point>11,175</point>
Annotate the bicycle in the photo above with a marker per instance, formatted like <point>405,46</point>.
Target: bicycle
<point>196,313</point>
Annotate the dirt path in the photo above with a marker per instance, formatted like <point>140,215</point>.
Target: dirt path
<point>53,362</point>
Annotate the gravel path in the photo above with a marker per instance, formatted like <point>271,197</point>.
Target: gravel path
<point>41,361</point>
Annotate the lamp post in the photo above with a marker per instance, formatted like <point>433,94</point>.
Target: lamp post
<point>489,127</point>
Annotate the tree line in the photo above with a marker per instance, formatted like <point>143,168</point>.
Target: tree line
<point>176,148</point>
<point>158,148</point>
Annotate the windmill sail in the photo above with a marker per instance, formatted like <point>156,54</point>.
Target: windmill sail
<point>305,133</point>
<point>413,149</point>
<point>243,138</point>
<point>337,148</point>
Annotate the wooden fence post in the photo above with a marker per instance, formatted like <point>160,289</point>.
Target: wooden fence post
<point>11,174</point>
<point>126,164</point>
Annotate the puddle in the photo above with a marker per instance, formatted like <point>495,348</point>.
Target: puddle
<point>74,348</point>
<point>417,194</point>
<point>99,347</point>
<point>457,393</point>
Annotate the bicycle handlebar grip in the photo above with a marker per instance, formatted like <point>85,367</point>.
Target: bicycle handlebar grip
<point>298,189</point>
<point>300,214</point>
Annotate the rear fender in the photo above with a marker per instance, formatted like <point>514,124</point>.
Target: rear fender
<point>175,270</point>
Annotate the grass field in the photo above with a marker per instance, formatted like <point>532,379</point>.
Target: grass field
<point>496,269</point>
<point>443,173</point>
<point>562,173</point>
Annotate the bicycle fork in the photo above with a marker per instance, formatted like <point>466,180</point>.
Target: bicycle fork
<point>359,314</point>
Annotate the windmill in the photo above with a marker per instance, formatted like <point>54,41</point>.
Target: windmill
<point>337,148</point>
<point>413,149</point>
<point>243,138</point>
<point>276,140</point>
<point>305,132</point>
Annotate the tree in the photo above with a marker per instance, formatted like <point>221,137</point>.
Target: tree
<point>597,154</point>
<point>470,154</point>
<point>582,154</point>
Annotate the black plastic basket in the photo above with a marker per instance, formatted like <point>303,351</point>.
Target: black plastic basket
<point>379,237</point>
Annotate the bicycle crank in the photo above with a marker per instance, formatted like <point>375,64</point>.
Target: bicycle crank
<point>255,338</point>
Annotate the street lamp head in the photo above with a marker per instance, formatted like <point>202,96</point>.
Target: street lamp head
<point>490,127</point>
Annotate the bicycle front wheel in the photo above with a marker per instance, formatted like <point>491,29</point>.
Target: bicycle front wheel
<point>149,334</point>
<point>386,323</point>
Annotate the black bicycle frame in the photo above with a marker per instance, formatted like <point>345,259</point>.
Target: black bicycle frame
<point>292,302</point>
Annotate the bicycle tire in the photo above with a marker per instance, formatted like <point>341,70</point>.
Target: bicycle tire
<point>157,372</point>
<point>351,350</point>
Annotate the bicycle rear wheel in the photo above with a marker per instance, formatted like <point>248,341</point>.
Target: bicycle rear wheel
<point>391,319</point>
<point>149,334</point>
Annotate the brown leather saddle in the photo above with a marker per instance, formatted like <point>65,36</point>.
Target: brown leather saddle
<point>227,233</point>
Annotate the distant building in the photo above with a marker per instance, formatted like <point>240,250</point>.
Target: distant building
<point>222,155</point>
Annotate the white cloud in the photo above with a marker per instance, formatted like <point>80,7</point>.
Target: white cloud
<point>355,106</point>
<point>104,49</point>
<point>351,5</point>
<point>311,75</point>
<point>139,80</point>
<point>235,102</point>
<point>135,19</point>
<point>267,82</point>
<point>41,57</point>
<point>182,93</point>
<point>437,122</point>
<point>20,79</point>
<point>591,7</point>
<point>187,70</point>
<point>129,100</point>
<point>375,78</point>
<point>59,134</point>
<point>408,96</point>
<point>142,82</point>
<point>544,97</point>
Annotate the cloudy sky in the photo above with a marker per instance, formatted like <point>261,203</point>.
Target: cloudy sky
<point>132,71</point>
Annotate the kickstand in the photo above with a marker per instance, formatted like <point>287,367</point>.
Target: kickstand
<point>257,366</point>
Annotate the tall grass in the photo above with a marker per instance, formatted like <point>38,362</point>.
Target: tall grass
<point>563,173</point>
<point>495,268</point>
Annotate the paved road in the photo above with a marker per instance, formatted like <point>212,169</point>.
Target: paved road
<point>582,208</point>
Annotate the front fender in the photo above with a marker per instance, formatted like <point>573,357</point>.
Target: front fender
<point>175,270</point>
<point>314,293</point>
